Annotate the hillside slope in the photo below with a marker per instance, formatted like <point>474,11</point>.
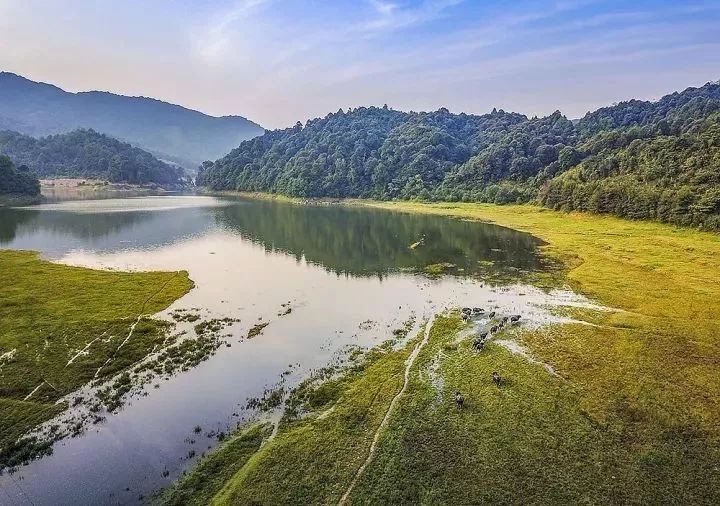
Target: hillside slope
<point>668,147</point>
<point>88,154</point>
<point>167,130</point>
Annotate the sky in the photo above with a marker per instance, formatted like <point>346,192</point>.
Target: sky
<point>281,61</point>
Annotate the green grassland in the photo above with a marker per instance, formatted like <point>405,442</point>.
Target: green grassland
<point>660,352</point>
<point>213,471</point>
<point>313,459</point>
<point>632,416</point>
<point>61,327</point>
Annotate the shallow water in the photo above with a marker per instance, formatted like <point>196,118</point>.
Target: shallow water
<point>349,275</point>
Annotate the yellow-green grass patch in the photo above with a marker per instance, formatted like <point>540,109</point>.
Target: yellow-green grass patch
<point>62,326</point>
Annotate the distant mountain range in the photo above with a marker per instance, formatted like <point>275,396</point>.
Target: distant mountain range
<point>168,131</point>
<point>643,160</point>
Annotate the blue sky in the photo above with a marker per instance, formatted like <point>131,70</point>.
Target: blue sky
<point>279,61</point>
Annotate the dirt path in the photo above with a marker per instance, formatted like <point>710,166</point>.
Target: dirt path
<point>373,447</point>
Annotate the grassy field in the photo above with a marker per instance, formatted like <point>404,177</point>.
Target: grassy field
<point>313,460</point>
<point>632,416</point>
<point>61,327</point>
<point>529,441</point>
<point>660,353</point>
<point>211,474</point>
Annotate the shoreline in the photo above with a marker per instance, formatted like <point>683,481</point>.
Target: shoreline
<point>614,397</point>
<point>609,370</point>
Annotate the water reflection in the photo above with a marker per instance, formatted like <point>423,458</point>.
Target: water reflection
<point>56,192</point>
<point>344,240</point>
<point>362,241</point>
<point>249,259</point>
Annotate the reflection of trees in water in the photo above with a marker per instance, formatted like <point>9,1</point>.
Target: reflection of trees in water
<point>357,241</point>
<point>10,220</point>
<point>106,231</point>
<point>64,193</point>
<point>83,225</point>
<point>367,241</point>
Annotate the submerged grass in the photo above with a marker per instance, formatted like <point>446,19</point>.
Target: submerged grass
<point>313,460</point>
<point>214,470</point>
<point>61,327</point>
<point>633,415</point>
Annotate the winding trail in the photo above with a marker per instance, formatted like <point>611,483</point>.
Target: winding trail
<point>135,324</point>
<point>376,438</point>
<point>34,390</point>
<point>81,352</point>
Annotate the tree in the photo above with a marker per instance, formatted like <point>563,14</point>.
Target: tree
<point>17,181</point>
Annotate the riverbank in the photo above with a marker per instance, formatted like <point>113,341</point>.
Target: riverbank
<point>87,189</point>
<point>632,413</point>
<point>62,327</point>
<point>19,200</point>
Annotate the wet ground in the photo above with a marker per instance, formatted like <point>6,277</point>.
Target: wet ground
<point>348,275</point>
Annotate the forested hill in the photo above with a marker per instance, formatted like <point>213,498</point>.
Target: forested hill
<point>670,113</point>
<point>88,154</point>
<point>645,160</point>
<point>17,181</point>
<point>167,130</point>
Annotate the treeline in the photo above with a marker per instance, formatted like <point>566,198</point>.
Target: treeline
<point>17,180</point>
<point>88,154</point>
<point>654,160</point>
<point>642,173</point>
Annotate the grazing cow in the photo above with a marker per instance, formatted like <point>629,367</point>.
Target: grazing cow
<point>492,315</point>
<point>459,400</point>
<point>483,335</point>
<point>496,378</point>
<point>479,344</point>
<point>493,329</point>
<point>477,310</point>
<point>466,310</point>
<point>465,317</point>
<point>514,318</point>
<point>504,320</point>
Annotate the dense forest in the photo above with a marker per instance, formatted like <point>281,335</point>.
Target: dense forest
<point>642,160</point>
<point>17,180</point>
<point>643,173</point>
<point>88,154</point>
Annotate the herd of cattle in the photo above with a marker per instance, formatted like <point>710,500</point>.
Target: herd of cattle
<point>482,337</point>
<point>499,324</point>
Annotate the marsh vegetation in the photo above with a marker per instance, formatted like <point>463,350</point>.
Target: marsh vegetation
<point>612,420</point>
<point>62,327</point>
<point>582,411</point>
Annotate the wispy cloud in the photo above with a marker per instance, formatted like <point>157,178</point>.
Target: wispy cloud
<point>279,61</point>
<point>393,16</point>
<point>214,42</point>
<point>384,8</point>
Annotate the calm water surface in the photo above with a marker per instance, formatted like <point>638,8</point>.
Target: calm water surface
<point>349,276</point>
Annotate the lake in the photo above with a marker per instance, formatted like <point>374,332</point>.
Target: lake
<point>350,275</point>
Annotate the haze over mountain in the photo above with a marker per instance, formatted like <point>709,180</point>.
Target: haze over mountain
<point>169,131</point>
